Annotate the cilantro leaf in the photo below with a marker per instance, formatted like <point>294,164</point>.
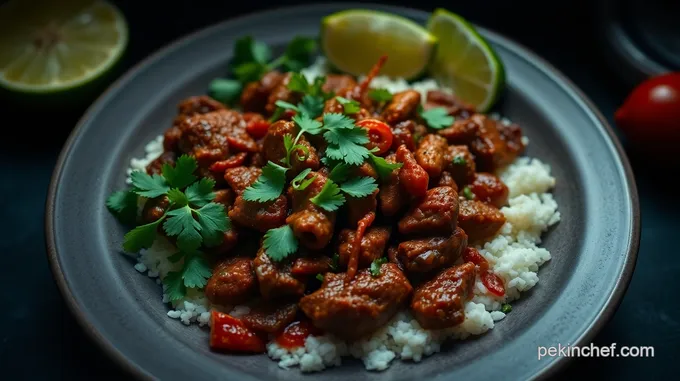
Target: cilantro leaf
<point>383,167</point>
<point>380,95</point>
<point>177,197</point>
<point>123,204</point>
<point>287,106</point>
<point>200,192</point>
<point>307,124</point>
<point>347,145</point>
<point>332,121</point>
<point>225,90</point>
<point>182,174</point>
<point>247,49</point>
<point>298,83</point>
<point>340,172</point>
<point>214,222</point>
<point>319,277</point>
<point>269,185</point>
<point>348,105</point>
<point>148,186</point>
<point>300,186</point>
<point>298,53</point>
<point>195,272</point>
<point>437,117</point>
<point>468,193</point>
<point>329,198</point>
<point>181,223</point>
<point>249,72</point>
<point>276,115</point>
<point>359,186</point>
<point>311,106</point>
<point>141,237</point>
<point>459,160</point>
<point>174,286</point>
<point>375,266</point>
<point>261,52</point>
<point>279,243</point>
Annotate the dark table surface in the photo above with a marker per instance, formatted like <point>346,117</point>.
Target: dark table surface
<point>40,339</point>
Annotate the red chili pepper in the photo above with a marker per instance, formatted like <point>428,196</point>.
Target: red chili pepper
<point>295,334</point>
<point>493,283</point>
<point>362,226</point>
<point>232,162</point>
<point>257,128</point>
<point>412,176</point>
<point>229,333</point>
<point>379,134</point>
<point>470,254</point>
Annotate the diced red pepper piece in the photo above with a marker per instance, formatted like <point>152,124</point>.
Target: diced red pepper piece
<point>257,128</point>
<point>295,334</point>
<point>493,283</point>
<point>230,334</point>
<point>412,176</point>
<point>232,162</point>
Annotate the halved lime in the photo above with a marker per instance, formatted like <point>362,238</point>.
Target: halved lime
<point>465,61</point>
<point>50,46</point>
<point>354,40</point>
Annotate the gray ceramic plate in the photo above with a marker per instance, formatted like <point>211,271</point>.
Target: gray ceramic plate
<point>594,246</point>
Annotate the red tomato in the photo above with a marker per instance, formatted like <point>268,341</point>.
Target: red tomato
<point>379,134</point>
<point>229,333</point>
<point>232,162</point>
<point>493,283</point>
<point>650,115</point>
<point>257,128</point>
<point>294,335</point>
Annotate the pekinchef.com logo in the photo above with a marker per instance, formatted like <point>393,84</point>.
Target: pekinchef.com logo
<point>593,350</point>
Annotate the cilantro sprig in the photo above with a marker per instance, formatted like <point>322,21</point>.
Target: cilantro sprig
<point>279,243</point>
<point>252,59</point>
<point>331,196</point>
<point>437,117</point>
<point>349,106</point>
<point>191,217</point>
<point>380,95</point>
<point>269,185</point>
<point>345,139</point>
<point>376,265</point>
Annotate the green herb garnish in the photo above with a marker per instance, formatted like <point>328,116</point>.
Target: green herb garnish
<point>329,198</point>
<point>380,95</point>
<point>349,106</point>
<point>468,193</point>
<point>345,139</point>
<point>437,117</point>
<point>269,185</point>
<point>279,243</point>
<point>319,277</point>
<point>459,160</point>
<point>384,168</point>
<point>506,308</point>
<point>375,266</point>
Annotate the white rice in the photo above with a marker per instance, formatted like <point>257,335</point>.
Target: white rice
<point>513,254</point>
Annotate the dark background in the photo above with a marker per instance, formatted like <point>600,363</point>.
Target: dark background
<point>40,339</point>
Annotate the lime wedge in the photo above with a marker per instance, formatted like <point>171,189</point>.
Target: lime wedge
<point>464,61</point>
<point>354,40</point>
<point>51,46</point>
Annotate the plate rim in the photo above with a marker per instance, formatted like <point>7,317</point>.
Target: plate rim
<point>128,365</point>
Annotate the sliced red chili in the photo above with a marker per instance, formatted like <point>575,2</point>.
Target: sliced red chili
<point>257,128</point>
<point>230,334</point>
<point>295,334</point>
<point>232,162</point>
<point>379,134</point>
<point>493,283</point>
<point>470,254</point>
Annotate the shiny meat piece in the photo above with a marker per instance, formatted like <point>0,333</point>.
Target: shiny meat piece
<point>260,216</point>
<point>490,189</point>
<point>446,180</point>
<point>463,131</point>
<point>402,133</point>
<point>255,95</point>
<point>390,193</point>
<point>275,278</point>
<point>412,176</point>
<point>512,136</point>
<point>270,317</point>
<point>155,208</point>
<point>275,151</point>
<point>372,245</point>
<point>201,104</point>
<point>224,197</point>
<point>229,241</point>
<point>310,266</point>
<point>436,213</point>
<point>402,107</point>
<point>312,225</point>
<point>240,178</point>
<point>428,254</point>
<point>431,154</point>
<point>461,164</point>
<point>355,309</point>
<point>479,220</point>
<point>453,105</point>
<point>440,303</point>
<point>281,92</point>
<point>171,137</point>
<point>156,166</point>
<point>232,282</point>
<point>337,82</point>
<point>211,137</point>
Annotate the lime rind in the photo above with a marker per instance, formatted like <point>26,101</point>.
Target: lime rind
<point>114,56</point>
<point>495,63</point>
